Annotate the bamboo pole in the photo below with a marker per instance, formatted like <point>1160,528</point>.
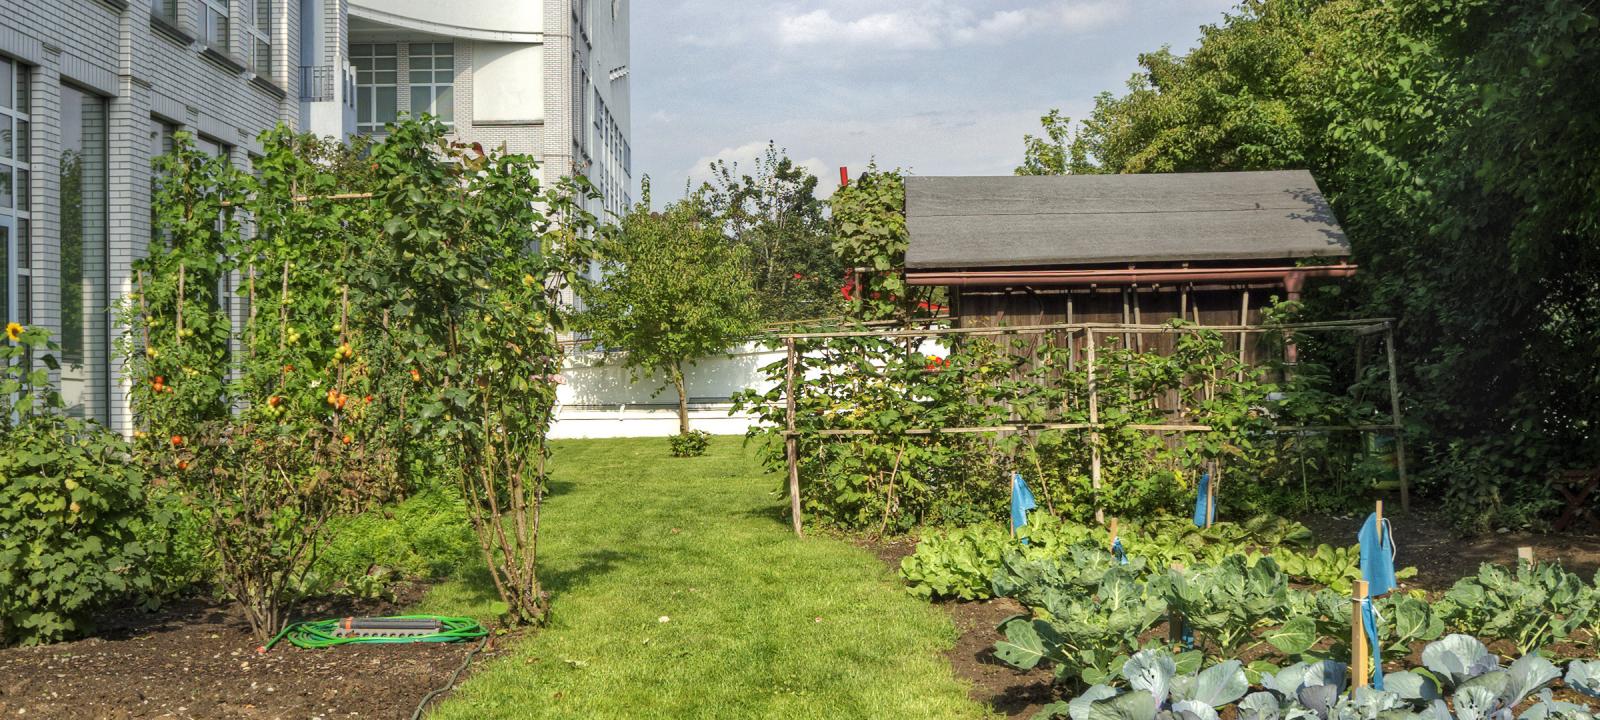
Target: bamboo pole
<point>1394,413</point>
<point>1326,326</point>
<point>1142,427</point>
<point>1094,421</point>
<point>791,447</point>
<point>1360,654</point>
<point>182,272</point>
<point>1244,319</point>
<point>1211,493</point>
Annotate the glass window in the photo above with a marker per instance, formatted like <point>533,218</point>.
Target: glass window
<point>165,9</point>
<point>215,24</point>
<point>259,27</point>
<point>15,192</point>
<point>377,88</point>
<point>432,78</point>
<point>85,297</point>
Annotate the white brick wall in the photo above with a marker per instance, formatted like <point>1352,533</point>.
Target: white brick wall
<point>145,73</point>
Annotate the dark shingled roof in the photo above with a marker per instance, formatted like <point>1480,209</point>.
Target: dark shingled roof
<point>976,222</point>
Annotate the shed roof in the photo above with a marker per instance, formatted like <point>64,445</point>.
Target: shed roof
<point>973,222</point>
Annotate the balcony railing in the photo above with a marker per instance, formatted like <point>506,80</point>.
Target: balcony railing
<point>316,83</point>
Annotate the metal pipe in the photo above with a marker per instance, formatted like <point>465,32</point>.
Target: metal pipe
<point>967,278</point>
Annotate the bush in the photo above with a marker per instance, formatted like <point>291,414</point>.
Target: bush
<point>72,505</point>
<point>690,444</point>
<point>426,536</point>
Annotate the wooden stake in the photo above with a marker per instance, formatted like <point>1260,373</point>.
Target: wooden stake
<point>1525,554</point>
<point>1175,618</point>
<point>182,271</point>
<point>1211,493</point>
<point>1113,533</point>
<point>1380,523</point>
<point>790,446</point>
<point>1394,415</point>
<point>1094,422</point>
<point>1244,319</point>
<point>1360,654</point>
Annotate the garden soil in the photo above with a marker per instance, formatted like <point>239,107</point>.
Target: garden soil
<point>197,659</point>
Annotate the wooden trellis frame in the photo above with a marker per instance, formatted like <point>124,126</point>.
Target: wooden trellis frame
<point>1362,327</point>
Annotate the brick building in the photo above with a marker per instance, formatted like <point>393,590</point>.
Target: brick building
<point>92,90</point>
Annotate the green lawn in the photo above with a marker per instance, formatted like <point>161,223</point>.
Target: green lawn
<point>679,592</point>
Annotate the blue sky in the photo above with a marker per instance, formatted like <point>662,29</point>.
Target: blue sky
<point>939,87</point>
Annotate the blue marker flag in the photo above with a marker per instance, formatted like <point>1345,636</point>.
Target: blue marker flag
<point>1377,568</point>
<point>1377,556</point>
<point>1021,502</point>
<point>1201,517</point>
<point>1118,552</point>
<point>1369,619</point>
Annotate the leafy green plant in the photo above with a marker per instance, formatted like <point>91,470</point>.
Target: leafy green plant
<point>1456,667</point>
<point>689,444</point>
<point>1228,602</point>
<point>1531,605</point>
<point>979,561</point>
<point>1086,637</point>
<point>1332,567</point>
<point>76,531</point>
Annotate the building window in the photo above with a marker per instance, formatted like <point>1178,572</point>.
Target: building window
<point>15,198</point>
<point>259,29</point>
<point>166,10</point>
<point>376,91</point>
<point>85,295</point>
<point>214,24</point>
<point>433,71</point>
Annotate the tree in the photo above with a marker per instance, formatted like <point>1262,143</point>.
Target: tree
<point>1475,221</point>
<point>774,214</point>
<point>672,290</point>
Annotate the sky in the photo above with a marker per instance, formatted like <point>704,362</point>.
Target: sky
<point>936,87</point>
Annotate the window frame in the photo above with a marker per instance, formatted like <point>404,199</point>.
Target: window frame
<point>431,88</point>
<point>211,10</point>
<point>365,57</point>
<point>259,29</point>
<point>17,213</point>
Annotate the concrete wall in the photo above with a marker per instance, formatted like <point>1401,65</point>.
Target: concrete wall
<point>600,398</point>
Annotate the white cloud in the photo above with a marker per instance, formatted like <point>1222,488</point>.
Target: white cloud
<point>932,24</point>
<point>744,156</point>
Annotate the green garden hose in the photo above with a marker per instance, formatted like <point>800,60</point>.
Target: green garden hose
<point>318,634</point>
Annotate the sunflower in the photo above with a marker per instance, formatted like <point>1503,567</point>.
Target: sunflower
<point>14,331</point>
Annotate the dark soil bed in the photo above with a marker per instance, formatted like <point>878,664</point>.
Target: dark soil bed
<point>197,659</point>
<point>1423,538</point>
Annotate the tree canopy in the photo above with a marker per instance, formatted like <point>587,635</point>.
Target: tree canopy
<point>1455,139</point>
<point>672,290</point>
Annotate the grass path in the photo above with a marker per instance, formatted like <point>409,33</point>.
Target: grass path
<point>679,593</point>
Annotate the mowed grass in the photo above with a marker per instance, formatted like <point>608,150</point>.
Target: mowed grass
<point>679,592</point>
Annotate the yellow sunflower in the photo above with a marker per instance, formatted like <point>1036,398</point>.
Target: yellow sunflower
<point>14,331</point>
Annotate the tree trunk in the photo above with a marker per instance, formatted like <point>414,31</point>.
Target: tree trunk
<point>683,399</point>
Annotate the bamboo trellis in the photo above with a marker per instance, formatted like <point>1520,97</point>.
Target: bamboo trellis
<point>1361,327</point>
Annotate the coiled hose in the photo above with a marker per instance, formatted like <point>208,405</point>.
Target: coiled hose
<point>319,634</point>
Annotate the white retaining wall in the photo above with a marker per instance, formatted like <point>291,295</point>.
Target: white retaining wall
<point>600,401</point>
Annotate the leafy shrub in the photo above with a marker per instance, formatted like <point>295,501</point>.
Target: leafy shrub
<point>690,444</point>
<point>72,506</point>
<point>425,536</point>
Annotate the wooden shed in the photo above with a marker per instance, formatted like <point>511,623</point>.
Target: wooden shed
<point>1132,249</point>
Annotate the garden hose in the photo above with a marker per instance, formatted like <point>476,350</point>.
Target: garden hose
<point>319,634</point>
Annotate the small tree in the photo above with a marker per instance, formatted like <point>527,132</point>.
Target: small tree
<point>673,291</point>
<point>251,384</point>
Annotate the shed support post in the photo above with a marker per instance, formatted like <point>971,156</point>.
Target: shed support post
<point>791,447</point>
<point>1094,424</point>
<point>1394,418</point>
